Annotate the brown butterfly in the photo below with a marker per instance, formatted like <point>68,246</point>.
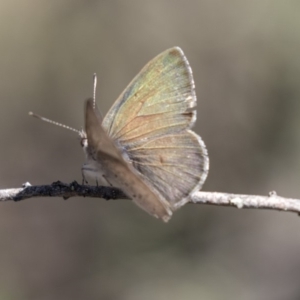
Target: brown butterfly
<point>144,145</point>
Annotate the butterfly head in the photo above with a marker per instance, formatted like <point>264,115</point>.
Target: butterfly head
<point>83,139</point>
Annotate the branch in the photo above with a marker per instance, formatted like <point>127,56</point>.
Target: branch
<point>60,189</point>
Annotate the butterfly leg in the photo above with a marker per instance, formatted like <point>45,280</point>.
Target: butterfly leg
<point>84,181</point>
<point>105,178</point>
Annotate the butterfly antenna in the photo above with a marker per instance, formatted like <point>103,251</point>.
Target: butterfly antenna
<point>54,123</point>
<point>94,90</point>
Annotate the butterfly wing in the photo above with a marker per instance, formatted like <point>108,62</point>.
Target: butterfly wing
<point>150,121</point>
<point>108,160</point>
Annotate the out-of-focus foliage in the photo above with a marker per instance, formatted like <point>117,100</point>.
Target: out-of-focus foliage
<point>246,64</point>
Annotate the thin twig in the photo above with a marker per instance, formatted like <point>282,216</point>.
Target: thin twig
<point>272,201</point>
<point>60,189</point>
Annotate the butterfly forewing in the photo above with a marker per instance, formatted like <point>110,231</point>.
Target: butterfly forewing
<point>163,89</point>
<point>150,121</point>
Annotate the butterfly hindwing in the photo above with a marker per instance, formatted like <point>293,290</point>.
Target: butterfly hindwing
<point>175,165</point>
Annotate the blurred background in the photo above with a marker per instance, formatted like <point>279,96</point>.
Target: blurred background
<point>246,64</point>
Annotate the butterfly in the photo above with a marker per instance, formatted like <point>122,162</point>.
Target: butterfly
<point>144,144</point>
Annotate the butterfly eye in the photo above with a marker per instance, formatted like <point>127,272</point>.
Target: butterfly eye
<point>84,142</point>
